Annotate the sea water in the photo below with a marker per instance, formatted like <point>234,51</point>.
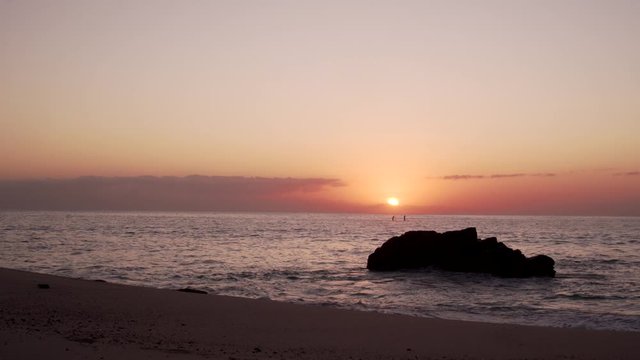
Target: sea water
<point>321,259</point>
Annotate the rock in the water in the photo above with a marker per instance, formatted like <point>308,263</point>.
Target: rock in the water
<point>459,250</point>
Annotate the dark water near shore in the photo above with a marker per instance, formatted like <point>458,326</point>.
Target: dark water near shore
<point>321,259</point>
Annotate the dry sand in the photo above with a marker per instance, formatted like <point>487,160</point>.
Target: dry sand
<point>84,319</point>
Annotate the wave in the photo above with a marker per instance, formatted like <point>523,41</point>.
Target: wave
<point>321,258</point>
<point>579,296</point>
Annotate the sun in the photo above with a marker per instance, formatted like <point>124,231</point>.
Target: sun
<point>393,201</point>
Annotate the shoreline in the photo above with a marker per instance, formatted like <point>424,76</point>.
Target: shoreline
<point>76,318</point>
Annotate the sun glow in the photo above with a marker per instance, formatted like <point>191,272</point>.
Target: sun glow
<point>393,201</point>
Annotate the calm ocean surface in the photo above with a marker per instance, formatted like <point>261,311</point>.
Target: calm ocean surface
<point>321,259</point>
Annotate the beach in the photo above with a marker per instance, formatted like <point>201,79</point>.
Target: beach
<point>88,319</point>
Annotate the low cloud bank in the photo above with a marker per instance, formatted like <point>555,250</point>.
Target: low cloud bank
<point>199,193</point>
<point>494,176</point>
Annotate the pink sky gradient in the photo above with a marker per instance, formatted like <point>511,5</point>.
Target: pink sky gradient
<point>453,107</point>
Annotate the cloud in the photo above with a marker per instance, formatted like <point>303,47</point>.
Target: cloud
<point>494,176</point>
<point>630,173</point>
<point>224,193</point>
<point>462,177</point>
<point>498,176</point>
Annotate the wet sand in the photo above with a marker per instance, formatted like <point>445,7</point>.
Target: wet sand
<point>85,319</point>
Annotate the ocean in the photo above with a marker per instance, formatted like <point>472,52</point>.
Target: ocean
<point>321,259</point>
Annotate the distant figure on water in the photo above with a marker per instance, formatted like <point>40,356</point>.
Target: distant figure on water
<point>393,218</point>
<point>404,218</point>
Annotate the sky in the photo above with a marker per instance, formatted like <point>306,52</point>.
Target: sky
<point>453,107</point>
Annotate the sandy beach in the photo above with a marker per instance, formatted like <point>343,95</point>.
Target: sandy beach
<point>88,319</point>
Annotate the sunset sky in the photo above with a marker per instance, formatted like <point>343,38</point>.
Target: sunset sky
<point>453,107</point>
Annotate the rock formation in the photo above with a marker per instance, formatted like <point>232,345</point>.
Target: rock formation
<point>459,250</point>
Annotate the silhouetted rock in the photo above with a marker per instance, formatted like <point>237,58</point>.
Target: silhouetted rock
<point>43,286</point>
<point>459,250</point>
<point>540,265</point>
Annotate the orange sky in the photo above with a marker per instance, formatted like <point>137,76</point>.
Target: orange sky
<point>424,100</point>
